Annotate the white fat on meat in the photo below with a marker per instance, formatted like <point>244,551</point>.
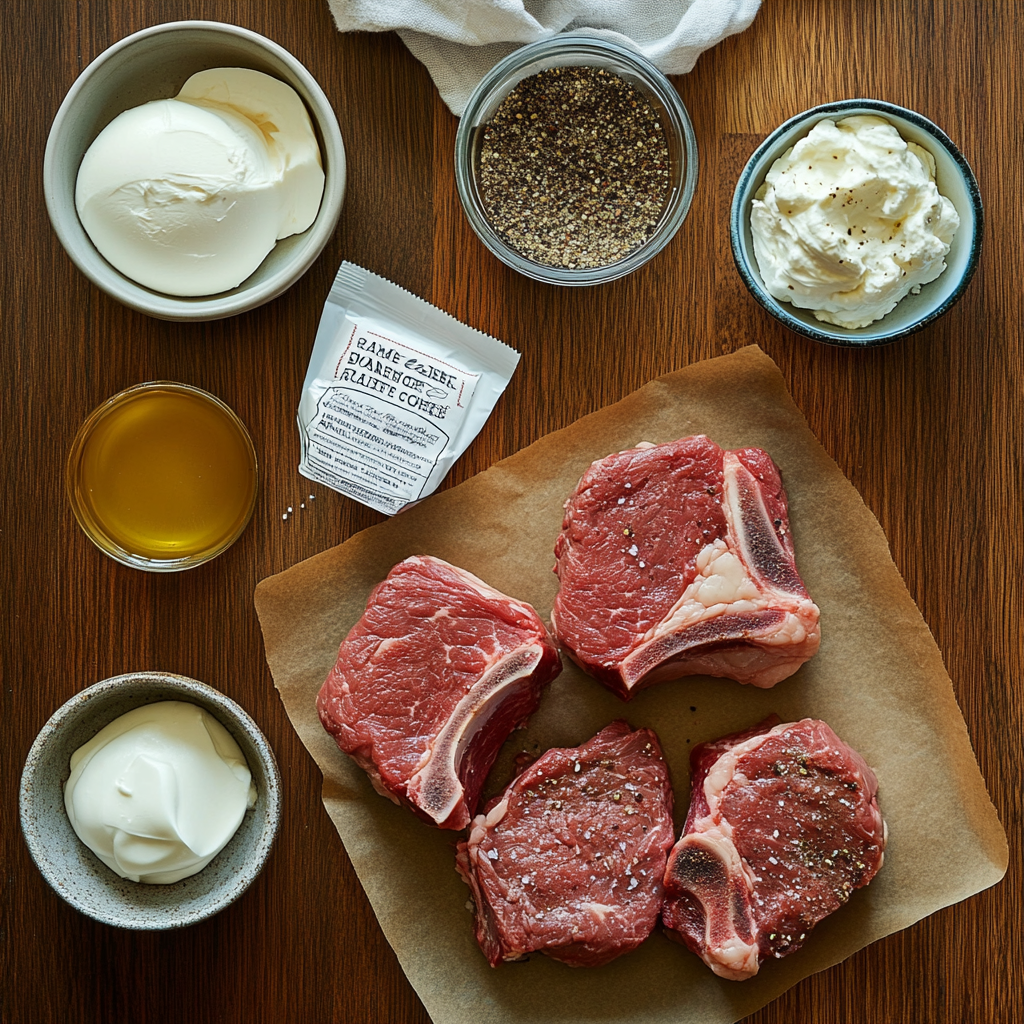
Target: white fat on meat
<point>484,589</point>
<point>722,585</point>
<point>599,911</point>
<point>483,822</point>
<point>723,772</point>
<point>726,584</point>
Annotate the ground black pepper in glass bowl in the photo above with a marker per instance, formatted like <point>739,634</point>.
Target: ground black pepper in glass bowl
<point>574,168</point>
<point>575,160</point>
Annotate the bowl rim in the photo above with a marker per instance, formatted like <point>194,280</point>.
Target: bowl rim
<point>584,44</point>
<point>238,300</point>
<point>744,190</point>
<point>231,715</point>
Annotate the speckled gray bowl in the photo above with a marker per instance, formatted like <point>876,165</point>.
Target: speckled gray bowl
<point>956,182</point>
<point>77,875</point>
<point>153,64</point>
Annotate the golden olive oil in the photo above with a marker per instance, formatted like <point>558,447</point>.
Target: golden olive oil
<point>164,472</point>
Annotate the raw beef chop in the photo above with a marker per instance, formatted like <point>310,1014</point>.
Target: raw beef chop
<point>569,860</point>
<point>783,825</point>
<point>676,559</point>
<point>430,682</point>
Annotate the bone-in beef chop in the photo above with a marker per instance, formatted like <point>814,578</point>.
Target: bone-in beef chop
<point>676,559</point>
<point>783,826</point>
<point>430,682</point>
<point>569,860</point>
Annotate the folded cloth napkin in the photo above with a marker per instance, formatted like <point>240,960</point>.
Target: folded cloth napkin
<point>461,40</point>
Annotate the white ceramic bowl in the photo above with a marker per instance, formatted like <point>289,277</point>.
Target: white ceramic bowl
<point>956,182</point>
<point>77,874</point>
<point>154,64</point>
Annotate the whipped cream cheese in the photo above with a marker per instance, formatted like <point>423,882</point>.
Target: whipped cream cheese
<point>187,196</point>
<point>157,793</point>
<point>850,220</point>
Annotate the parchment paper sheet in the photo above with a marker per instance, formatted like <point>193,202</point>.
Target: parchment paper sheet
<point>878,680</point>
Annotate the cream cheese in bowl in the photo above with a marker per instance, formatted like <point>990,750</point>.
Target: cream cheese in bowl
<point>188,195</point>
<point>850,221</point>
<point>909,204</point>
<point>159,792</point>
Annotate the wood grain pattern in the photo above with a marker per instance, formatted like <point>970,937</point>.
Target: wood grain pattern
<point>930,431</point>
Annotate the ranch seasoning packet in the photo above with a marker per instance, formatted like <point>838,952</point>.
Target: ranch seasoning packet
<point>395,391</point>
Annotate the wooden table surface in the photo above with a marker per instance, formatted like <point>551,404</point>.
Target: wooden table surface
<point>930,431</point>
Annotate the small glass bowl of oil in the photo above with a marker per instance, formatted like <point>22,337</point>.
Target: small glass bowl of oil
<point>162,477</point>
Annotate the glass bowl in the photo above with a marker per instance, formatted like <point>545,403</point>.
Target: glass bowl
<point>564,51</point>
<point>162,477</point>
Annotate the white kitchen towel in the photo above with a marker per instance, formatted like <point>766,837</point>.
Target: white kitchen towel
<point>459,41</point>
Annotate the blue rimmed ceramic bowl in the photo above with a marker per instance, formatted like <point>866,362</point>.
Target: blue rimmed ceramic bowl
<point>956,182</point>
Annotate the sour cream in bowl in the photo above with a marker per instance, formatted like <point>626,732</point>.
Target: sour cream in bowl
<point>159,792</point>
<point>109,805</point>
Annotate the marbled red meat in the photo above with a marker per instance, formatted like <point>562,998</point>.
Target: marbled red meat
<point>569,860</point>
<point>676,559</point>
<point>430,682</point>
<point>783,826</point>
